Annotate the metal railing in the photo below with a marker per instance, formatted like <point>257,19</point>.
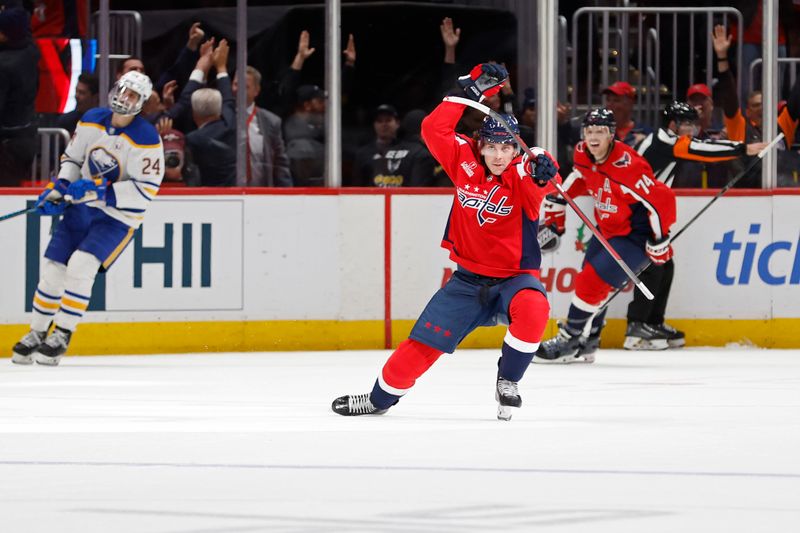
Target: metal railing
<point>646,51</point>
<point>125,33</point>
<point>791,61</point>
<point>52,142</point>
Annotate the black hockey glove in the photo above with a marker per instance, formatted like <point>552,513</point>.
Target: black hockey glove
<point>483,81</point>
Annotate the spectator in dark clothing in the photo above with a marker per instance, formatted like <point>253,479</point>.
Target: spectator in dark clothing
<point>620,98</point>
<point>86,97</point>
<point>389,162</point>
<point>378,162</point>
<point>19,80</point>
<point>527,117</point>
<point>213,143</point>
<point>188,56</point>
<point>425,170</point>
<point>304,132</point>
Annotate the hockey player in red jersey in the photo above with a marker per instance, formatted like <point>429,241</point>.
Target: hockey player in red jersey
<point>633,210</point>
<point>491,234</point>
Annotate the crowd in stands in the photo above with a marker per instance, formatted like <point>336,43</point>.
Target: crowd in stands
<point>194,109</point>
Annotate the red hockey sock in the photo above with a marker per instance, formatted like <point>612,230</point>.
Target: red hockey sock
<point>408,362</point>
<point>529,311</point>
<point>590,287</point>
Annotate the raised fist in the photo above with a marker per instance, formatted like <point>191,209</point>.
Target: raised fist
<point>483,81</point>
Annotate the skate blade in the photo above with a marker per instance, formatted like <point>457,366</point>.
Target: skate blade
<point>565,360</point>
<point>45,360</point>
<point>676,343</point>
<point>636,343</point>
<point>504,412</point>
<point>20,359</point>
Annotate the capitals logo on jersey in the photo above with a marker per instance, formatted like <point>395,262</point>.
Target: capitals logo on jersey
<point>103,164</point>
<point>471,198</point>
<point>624,161</point>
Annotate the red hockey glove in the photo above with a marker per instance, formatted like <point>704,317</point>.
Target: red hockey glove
<point>483,81</point>
<point>555,213</point>
<point>659,251</point>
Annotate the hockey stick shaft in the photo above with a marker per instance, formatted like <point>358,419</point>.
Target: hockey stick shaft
<point>17,213</point>
<point>487,111</point>
<point>89,198</point>
<point>716,197</point>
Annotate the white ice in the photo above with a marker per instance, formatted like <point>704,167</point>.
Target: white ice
<point>692,440</point>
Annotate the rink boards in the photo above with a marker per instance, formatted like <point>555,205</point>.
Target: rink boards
<point>324,269</point>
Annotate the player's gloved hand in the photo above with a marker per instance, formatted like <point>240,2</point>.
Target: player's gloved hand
<point>51,200</point>
<point>483,81</point>
<point>544,169</point>
<point>659,251</point>
<point>554,209</point>
<point>83,190</point>
<point>541,169</point>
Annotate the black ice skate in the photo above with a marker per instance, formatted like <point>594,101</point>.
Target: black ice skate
<point>23,350</point>
<point>359,404</point>
<point>640,336</point>
<point>589,345</point>
<point>53,347</point>
<point>508,398</point>
<point>564,348</point>
<point>675,338</point>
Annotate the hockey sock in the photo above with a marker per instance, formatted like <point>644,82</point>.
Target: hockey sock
<point>598,322</point>
<point>408,362</point>
<point>590,292</point>
<point>81,271</point>
<point>48,294</point>
<point>528,311</point>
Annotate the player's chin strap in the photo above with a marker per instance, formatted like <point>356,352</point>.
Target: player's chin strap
<point>487,111</point>
<point>722,191</point>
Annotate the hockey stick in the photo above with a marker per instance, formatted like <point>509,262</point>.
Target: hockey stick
<point>716,197</point>
<point>487,111</point>
<point>91,196</point>
<point>18,213</point>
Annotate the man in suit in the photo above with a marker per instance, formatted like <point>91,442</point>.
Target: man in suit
<point>267,162</point>
<point>213,143</point>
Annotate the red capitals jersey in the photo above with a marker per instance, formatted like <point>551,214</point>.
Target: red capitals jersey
<point>627,197</point>
<point>494,220</point>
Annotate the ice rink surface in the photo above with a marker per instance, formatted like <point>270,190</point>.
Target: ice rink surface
<point>692,440</point>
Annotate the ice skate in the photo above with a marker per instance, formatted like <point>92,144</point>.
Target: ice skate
<point>24,349</point>
<point>355,405</point>
<point>589,346</point>
<point>675,338</point>
<point>508,398</point>
<point>55,345</point>
<point>564,348</point>
<point>640,336</point>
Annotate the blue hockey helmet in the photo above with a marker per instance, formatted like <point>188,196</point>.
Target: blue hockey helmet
<point>493,131</point>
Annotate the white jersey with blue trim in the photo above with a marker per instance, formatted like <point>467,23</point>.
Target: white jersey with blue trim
<point>131,159</point>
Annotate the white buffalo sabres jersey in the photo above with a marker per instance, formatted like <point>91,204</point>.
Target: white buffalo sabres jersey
<point>131,159</point>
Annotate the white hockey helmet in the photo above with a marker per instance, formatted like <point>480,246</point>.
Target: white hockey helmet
<point>133,81</point>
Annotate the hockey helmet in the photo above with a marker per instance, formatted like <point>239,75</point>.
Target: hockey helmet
<point>134,81</point>
<point>493,131</point>
<point>601,116</point>
<point>679,112</point>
